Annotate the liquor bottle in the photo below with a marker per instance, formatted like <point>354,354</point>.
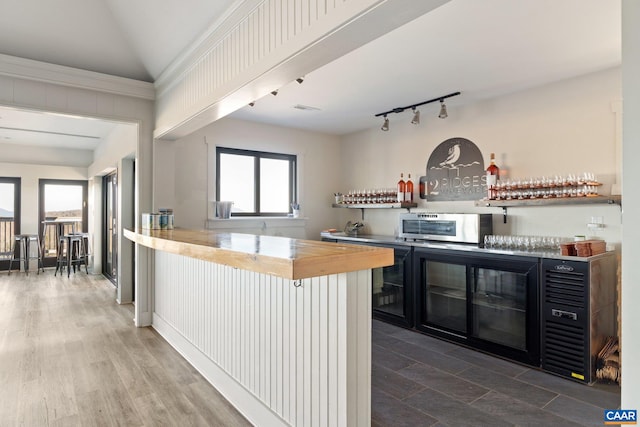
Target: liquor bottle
<point>401,189</point>
<point>493,175</point>
<point>408,192</point>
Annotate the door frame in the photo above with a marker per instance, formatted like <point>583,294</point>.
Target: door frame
<point>17,182</point>
<point>106,181</point>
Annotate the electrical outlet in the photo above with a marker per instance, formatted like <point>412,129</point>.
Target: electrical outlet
<point>596,222</point>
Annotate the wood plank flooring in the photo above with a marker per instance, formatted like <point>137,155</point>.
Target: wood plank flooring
<point>71,356</point>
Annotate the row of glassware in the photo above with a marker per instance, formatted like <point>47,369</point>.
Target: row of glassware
<point>546,192</point>
<point>373,195</point>
<point>586,178</point>
<point>525,243</point>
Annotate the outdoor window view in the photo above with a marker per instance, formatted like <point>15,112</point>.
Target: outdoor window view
<point>6,219</point>
<point>63,208</point>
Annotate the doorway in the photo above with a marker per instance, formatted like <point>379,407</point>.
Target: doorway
<point>110,227</point>
<point>66,202</point>
<point>9,218</point>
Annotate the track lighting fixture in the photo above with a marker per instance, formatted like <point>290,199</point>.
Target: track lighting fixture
<point>385,125</point>
<point>275,92</point>
<point>443,110</point>
<point>416,116</point>
<point>416,113</point>
<point>300,80</point>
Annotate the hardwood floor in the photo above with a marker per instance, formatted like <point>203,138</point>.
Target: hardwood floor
<point>71,356</point>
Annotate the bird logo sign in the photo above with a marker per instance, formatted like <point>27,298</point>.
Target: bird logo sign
<point>455,171</point>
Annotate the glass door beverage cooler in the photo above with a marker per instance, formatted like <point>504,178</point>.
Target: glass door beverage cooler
<point>392,293</point>
<point>489,302</point>
<point>391,289</point>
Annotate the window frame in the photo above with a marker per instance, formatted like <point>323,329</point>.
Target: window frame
<point>257,155</point>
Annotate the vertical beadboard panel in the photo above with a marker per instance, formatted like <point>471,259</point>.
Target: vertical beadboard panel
<point>303,351</point>
<point>264,30</point>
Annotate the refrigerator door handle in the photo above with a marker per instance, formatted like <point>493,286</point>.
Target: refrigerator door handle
<point>564,314</point>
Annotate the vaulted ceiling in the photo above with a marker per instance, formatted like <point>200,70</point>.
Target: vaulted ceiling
<point>483,48</point>
<point>133,39</point>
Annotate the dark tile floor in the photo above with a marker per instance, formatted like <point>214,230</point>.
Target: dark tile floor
<point>418,380</point>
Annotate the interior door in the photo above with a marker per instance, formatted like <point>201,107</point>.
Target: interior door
<point>110,229</point>
<point>9,217</point>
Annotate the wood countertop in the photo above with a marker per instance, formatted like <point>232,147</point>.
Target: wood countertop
<point>281,256</point>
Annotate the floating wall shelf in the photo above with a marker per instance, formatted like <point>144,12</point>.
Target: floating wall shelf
<point>363,206</point>
<point>561,201</point>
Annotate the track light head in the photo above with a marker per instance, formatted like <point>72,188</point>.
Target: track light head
<point>385,125</point>
<point>443,110</point>
<point>275,92</point>
<point>416,116</point>
<point>300,80</point>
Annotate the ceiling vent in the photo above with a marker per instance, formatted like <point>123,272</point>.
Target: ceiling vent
<point>305,107</point>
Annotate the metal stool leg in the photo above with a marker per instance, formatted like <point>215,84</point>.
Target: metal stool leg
<point>69,256</point>
<point>25,254</point>
<point>34,238</point>
<point>83,252</point>
<point>61,255</point>
<point>40,255</point>
<point>13,257</point>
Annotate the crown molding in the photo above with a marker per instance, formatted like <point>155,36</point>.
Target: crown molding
<point>29,69</point>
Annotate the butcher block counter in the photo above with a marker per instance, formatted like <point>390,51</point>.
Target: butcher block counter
<point>281,327</point>
<point>279,256</point>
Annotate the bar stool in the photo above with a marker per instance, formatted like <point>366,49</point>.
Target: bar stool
<point>72,252</point>
<point>22,242</point>
<point>86,248</point>
<point>78,243</point>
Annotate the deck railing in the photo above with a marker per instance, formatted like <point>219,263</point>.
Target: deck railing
<point>6,236</point>
<point>49,243</point>
<point>7,231</point>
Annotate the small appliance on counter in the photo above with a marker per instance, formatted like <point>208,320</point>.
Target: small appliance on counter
<point>457,228</point>
<point>352,228</point>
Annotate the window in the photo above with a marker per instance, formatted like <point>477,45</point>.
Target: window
<point>258,183</point>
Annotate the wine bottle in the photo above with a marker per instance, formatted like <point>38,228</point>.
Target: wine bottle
<point>408,192</point>
<point>401,189</point>
<point>493,175</point>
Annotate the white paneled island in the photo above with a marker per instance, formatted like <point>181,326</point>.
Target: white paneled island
<point>281,327</point>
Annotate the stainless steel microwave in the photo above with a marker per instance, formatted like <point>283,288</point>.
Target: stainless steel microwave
<point>458,228</point>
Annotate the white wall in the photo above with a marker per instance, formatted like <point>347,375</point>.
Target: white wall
<point>182,184</point>
<point>631,177</point>
<point>119,144</point>
<point>564,127</point>
<point>31,174</point>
